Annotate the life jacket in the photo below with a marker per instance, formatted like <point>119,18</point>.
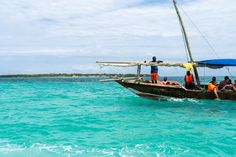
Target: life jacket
<point>211,87</point>
<point>189,78</point>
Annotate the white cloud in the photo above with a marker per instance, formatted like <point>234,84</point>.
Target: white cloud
<point>115,28</point>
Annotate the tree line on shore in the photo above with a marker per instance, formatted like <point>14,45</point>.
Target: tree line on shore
<point>69,75</point>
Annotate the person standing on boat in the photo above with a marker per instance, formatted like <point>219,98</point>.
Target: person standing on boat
<point>189,80</point>
<point>154,70</point>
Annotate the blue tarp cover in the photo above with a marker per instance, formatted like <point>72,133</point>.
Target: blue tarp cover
<point>219,62</point>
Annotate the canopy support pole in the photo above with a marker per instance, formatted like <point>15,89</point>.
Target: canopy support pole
<point>196,75</point>
<point>187,44</point>
<point>138,71</point>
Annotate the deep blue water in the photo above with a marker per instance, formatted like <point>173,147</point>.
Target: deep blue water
<point>84,117</point>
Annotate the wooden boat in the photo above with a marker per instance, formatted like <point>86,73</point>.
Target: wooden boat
<point>149,90</point>
<point>156,91</point>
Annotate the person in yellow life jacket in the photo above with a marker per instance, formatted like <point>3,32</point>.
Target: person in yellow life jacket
<point>212,86</point>
<point>189,80</point>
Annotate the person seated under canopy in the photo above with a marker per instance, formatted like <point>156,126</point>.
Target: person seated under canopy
<point>212,86</point>
<point>229,86</point>
<point>224,82</point>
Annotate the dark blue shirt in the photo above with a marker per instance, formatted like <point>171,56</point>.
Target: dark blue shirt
<point>154,69</point>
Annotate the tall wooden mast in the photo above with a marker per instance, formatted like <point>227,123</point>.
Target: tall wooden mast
<point>187,44</point>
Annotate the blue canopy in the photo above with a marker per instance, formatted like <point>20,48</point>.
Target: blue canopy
<point>218,62</point>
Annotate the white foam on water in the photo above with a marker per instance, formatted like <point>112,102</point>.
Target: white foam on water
<point>10,148</point>
<point>176,99</point>
<point>193,100</point>
<point>39,149</point>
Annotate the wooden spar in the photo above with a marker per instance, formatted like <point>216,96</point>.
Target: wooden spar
<point>187,44</point>
<point>130,64</point>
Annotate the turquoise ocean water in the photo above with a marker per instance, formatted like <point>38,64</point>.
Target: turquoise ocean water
<point>83,117</point>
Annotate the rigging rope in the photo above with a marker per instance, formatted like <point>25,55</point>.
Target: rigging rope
<point>204,37</point>
<point>230,73</point>
<point>200,32</point>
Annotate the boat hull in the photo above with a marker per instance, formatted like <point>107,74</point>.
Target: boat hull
<point>150,90</point>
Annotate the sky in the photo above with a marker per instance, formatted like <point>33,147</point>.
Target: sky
<point>69,36</point>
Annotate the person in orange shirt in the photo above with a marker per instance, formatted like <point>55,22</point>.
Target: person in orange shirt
<point>212,86</point>
<point>189,80</point>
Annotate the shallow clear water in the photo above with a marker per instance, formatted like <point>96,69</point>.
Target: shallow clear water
<point>83,117</point>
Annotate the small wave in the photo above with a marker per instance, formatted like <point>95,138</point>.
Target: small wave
<point>184,100</point>
<point>193,100</point>
<point>8,148</point>
<point>38,149</point>
<point>176,99</point>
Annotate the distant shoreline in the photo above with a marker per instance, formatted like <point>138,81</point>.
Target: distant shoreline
<point>67,75</point>
<point>78,75</point>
